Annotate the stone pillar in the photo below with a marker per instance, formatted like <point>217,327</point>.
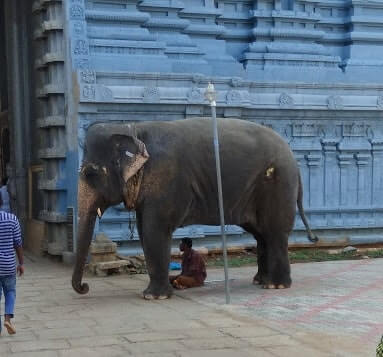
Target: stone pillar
<point>377,178</point>
<point>331,180</point>
<point>364,184</point>
<point>51,107</point>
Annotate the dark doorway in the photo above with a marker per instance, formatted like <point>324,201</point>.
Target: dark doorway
<point>4,128</point>
<point>5,151</point>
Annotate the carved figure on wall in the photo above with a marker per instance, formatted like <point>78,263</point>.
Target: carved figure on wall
<point>81,63</point>
<point>151,94</point>
<point>78,28</point>
<point>106,93</point>
<point>77,12</point>
<point>88,76</point>
<point>89,92</point>
<point>233,97</point>
<point>195,95</point>
<point>286,101</point>
<point>81,48</point>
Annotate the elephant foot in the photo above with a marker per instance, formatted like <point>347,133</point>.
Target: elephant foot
<point>157,293</point>
<point>153,297</point>
<point>273,286</point>
<point>258,280</point>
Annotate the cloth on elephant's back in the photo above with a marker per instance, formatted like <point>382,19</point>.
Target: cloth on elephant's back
<point>194,265</point>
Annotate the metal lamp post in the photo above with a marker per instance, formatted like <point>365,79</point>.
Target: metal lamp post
<point>211,96</point>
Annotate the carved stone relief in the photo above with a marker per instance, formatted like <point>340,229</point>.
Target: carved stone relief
<point>81,48</point>
<point>106,93</point>
<point>286,101</point>
<point>335,102</point>
<point>195,95</point>
<point>88,76</point>
<point>78,28</point>
<point>197,78</point>
<point>151,94</point>
<point>305,129</point>
<point>236,82</point>
<point>77,12</point>
<point>89,92</point>
<point>81,63</point>
<point>233,97</point>
<point>354,130</point>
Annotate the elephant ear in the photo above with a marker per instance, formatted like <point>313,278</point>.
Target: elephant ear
<point>130,154</point>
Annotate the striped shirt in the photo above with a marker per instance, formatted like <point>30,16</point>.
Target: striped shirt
<point>10,238</point>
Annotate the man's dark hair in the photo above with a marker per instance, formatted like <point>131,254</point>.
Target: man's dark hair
<point>4,180</point>
<point>188,242</point>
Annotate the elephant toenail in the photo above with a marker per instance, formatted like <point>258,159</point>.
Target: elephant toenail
<point>269,286</point>
<point>148,297</point>
<point>281,286</point>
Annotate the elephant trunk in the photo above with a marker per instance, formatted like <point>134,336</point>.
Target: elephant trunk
<point>87,210</point>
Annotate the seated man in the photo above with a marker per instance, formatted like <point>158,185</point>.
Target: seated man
<point>193,271</point>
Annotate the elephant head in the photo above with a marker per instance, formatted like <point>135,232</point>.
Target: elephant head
<point>110,174</point>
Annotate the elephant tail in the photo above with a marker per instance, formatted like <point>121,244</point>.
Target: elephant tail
<point>311,236</point>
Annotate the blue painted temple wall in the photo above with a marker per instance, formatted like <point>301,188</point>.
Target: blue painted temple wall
<point>310,69</point>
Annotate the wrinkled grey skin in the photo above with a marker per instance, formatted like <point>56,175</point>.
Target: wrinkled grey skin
<point>260,179</point>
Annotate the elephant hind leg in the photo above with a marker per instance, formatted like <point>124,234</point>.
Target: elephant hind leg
<point>278,265</point>
<point>261,276</point>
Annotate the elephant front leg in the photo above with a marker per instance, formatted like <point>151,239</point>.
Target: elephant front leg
<point>156,243</point>
<point>278,265</point>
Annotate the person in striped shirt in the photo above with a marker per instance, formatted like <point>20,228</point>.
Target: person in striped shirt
<point>10,241</point>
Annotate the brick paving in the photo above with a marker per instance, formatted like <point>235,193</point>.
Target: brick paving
<point>333,309</point>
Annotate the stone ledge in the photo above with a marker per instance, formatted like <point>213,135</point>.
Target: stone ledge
<point>52,217</point>
<point>50,121</point>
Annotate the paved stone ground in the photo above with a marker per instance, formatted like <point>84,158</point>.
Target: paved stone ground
<point>333,309</point>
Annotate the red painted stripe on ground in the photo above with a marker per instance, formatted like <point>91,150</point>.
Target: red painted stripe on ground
<point>340,300</point>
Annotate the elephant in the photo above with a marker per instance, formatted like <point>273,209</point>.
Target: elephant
<point>166,172</point>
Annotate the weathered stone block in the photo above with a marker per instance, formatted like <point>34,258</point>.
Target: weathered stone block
<point>102,244</point>
<point>112,264</point>
<point>97,248</point>
<point>97,258</point>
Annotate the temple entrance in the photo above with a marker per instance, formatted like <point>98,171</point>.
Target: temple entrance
<point>5,151</point>
<point>19,139</point>
<point>5,155</point>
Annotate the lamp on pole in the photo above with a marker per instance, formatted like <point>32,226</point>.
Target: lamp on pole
<point>210,95</point>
